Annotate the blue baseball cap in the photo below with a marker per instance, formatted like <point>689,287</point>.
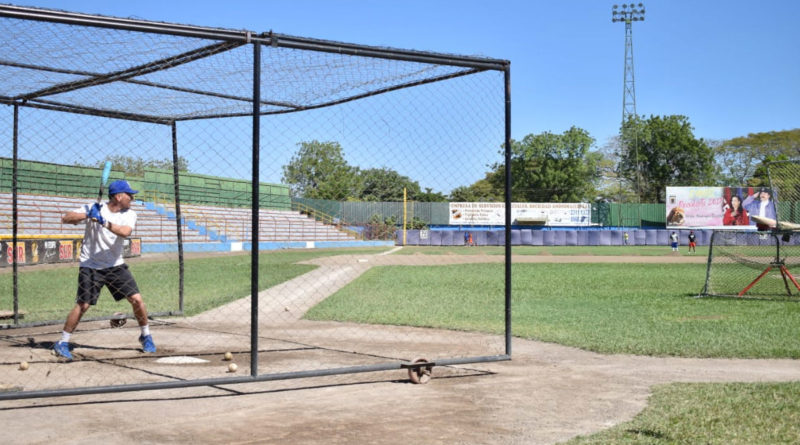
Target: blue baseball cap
<point>120,186</point>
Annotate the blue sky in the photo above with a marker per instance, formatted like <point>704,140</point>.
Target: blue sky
<point>731,66</point>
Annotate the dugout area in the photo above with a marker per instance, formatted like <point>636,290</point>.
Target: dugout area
<point>174,102</point>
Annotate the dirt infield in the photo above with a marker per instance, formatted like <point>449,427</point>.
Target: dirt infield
<point>546,394</point>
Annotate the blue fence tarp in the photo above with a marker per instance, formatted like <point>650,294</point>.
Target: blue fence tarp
<point>435,238</point>
<point>571,238</point>
<point>530,237</point>
<point>496,238</point>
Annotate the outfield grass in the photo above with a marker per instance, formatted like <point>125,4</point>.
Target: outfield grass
<point>647,309</point>
<point>711,413</point>
<point>549,250</point>
<point>47,294</point>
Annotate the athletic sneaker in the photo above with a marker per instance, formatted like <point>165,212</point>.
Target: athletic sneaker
<point>147,343</point>
<point>62,349</point>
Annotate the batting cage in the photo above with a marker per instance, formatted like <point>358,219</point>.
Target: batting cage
<point>212,161</point>
<point>761,263</point>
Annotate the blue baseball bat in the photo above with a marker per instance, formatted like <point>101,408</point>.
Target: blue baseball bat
<point>104,180</point>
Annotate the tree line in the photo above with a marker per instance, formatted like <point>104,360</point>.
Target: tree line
<point>648,155</point>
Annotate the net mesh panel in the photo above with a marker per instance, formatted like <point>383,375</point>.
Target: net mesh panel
<point>170,77</point>
<point>784,178</point>
<point>738,258</point>
<point>327,298</point>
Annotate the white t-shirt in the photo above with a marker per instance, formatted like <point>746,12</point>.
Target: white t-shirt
<point>101,248</point>
<point>762,208</point>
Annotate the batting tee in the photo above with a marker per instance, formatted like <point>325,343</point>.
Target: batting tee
<point>212,127</point>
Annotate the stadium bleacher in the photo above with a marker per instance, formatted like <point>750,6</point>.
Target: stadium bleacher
<point>41,214</point>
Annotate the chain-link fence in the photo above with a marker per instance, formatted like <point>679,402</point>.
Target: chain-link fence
<point>784,178</point>
<point>222,266</point>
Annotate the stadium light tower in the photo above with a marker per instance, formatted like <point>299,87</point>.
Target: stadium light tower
<point>628,13</point>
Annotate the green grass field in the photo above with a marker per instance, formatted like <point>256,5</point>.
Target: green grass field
<point>48,294</point>
<point>647,309</point>
<point>711,413</point>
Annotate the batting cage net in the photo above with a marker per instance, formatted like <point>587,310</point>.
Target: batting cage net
<point>753,264</point>
<point>784,179</point>
<point>229,153</point>
<point>761,264</point>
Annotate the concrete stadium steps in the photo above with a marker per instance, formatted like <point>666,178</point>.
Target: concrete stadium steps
<point>234,224</point>
<point>41,214</point>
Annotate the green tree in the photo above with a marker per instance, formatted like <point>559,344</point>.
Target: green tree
<point>741,160</point>
<point>384,184</point>
<point>551,167</point>
<point>662,151</point>
<point>318,170</point>
<point>483,190</point>
<point>430,196</point>
<point>609,185</point>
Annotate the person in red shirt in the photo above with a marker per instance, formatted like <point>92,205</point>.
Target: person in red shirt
<point>735,214</point>
<point>692,242</point>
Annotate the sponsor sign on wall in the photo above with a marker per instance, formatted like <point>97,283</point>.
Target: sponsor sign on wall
<point>547,213</point>
<point>49,251</point>
<point>718,207</point>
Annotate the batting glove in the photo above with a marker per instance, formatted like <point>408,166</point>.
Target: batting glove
<point>94,214</point>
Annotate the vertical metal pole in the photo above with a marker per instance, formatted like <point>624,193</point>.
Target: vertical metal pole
<point>14,214</point>
<point>255,205</point>
<point>405,214</point>
<point>508,208</point>
<point>178,217</point>
<point>706,290</point>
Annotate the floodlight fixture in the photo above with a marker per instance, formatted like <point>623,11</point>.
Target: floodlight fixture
<point>628,13</point>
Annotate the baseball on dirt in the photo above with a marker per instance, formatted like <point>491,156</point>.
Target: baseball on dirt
<point>23,366</point>
<point>232,367</point>
<point>118,320</point>
<point>228,356</point>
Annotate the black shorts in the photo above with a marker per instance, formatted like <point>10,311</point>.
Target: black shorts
<point>118,279</point>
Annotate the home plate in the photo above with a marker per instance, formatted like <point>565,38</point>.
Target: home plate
<point>181,360</point>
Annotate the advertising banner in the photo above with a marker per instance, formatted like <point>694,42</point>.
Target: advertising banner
<point>533,213</point>
<point>32,251</point>
<point>718,207</point>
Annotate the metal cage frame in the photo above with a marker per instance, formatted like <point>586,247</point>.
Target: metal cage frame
<point>222,40</point>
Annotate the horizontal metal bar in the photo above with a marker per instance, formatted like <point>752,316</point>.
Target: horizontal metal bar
<point>36,324</point>
<point>237,380</point>
<point>272,39</point>
<point>386,53</point>
<point>73,18</point>
<point>55,106</point>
